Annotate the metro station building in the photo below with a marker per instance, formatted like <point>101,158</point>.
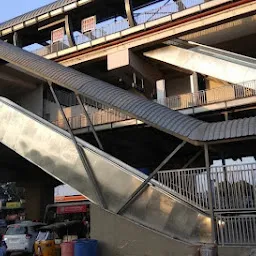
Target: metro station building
<point>131,103</point>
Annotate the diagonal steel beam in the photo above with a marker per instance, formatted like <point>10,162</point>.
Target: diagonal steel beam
<point>144,185</point>
<point>191,160</point>
<point>81,153</point>
<point>90,122</point>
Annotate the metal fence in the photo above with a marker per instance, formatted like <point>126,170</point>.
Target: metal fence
<point>184,183</point>
<point>233,187</point>
<point>105,115</point>
<point>236,229</point>
<point>118,26</point>
<point>97,117</point>
<point>205,97</point>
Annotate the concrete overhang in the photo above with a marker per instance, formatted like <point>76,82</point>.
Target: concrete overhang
<point>14,81</point>
<point>146,37</point>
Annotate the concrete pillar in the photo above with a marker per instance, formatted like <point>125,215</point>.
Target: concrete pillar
<point>226,116</point>
<point>194,82</point>
<point>69,31</point>
<point>194,87</point>
<point>180,5</point>
<point>37,197</point>
<point>129,13</point>
<point>16,40</point>
<point>33,100</point>
<point>161,91</point>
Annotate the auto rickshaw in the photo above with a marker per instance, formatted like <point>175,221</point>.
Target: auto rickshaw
<point>50,237</point>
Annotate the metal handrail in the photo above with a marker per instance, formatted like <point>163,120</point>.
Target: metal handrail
<point>233,186</point>
<point>103,115</point>
<point>236,229</point>
<point>216,95</point>
<point>98,117</point>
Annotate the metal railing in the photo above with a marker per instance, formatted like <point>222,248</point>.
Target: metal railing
<point>118,26</point>
<point>97,117</point>
<point>233,187</point>
<point>205,97</point>
<point>236,229</point>
<point>105,115</point>
<point>185,183</point>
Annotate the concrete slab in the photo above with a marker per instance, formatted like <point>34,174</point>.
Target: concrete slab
<point>120,237</point>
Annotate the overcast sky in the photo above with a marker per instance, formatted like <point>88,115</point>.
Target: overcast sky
<point>12,8</point>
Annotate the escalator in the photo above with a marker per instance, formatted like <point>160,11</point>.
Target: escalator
<point>227,66</point>
<point>53,150</point>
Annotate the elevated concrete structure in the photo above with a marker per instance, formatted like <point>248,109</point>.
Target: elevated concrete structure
<point>222,114</point>
<point>146,34</point>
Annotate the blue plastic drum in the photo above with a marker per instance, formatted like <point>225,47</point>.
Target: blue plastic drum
<point>86,248</point>
<point>144,170</point>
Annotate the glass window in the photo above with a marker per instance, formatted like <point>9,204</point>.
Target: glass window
<point>42,236</point>
<point>16,230</point>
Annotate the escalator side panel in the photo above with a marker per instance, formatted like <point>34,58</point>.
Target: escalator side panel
<point>207,64</point>
<point>53,151</point>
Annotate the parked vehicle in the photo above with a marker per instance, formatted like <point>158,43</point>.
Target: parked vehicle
<point>50,237</point>
<point>21,237</point>
<point>70,211</point>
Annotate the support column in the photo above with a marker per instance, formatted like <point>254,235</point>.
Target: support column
<point>210,192</point>
<point>37,197</point>
<point>180,5</point>
<point>194,82</point>
<point>69,31</point>
<point>194,87</point>
<point>33,100</point>
<point>226,116</point>
<point>129,13</point>
<point>16,39</point>
<point>161,91</point>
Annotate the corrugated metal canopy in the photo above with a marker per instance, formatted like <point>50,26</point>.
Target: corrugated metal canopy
<point>35,13</point>
<point>156,115</point>
<point>60,4</point>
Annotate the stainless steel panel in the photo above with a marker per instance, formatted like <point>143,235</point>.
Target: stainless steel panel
<point>224,65</point>
<point>53,151</point>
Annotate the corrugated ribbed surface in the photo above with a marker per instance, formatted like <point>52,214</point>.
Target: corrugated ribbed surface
<point>163,118</point>
<point>35,13</point>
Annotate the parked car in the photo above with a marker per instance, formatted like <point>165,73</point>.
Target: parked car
<point>21,237</point>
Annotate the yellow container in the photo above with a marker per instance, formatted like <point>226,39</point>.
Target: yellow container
<point>46,248</point>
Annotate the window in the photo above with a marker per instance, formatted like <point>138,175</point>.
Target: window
<point>16,230</point>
